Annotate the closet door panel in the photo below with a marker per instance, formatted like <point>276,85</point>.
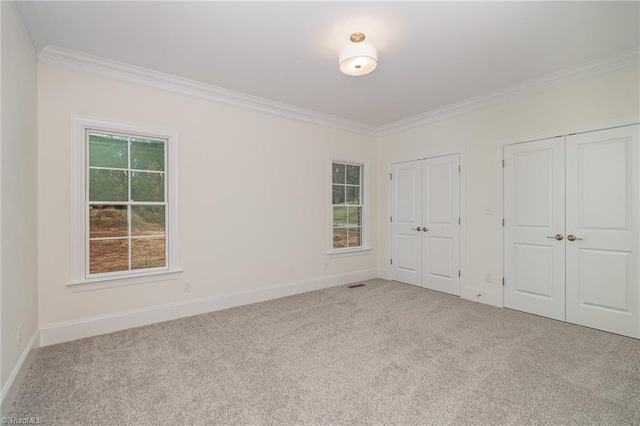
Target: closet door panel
<point>534,214</point>
<point>441,230</point>
<point>406,213</point>
<point>602,215</point>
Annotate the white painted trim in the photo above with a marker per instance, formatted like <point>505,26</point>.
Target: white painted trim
<point>78,226</point>
<point>349,253</point>
<point>17,376</point>
<point>430,153</point>
<point>498,209</point>
<point>28,16</point>
<point>120,281</point>
<point>462,158</point>
<point>592,69</point>
<point>51,334</point>
<point>102,67</point>
<point>567,130</point>
<point>499,202</point>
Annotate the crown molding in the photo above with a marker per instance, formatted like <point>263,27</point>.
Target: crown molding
<point>101,67</point>
<point>97,66</point>
<point>589,70</point>
<point>28,16</point>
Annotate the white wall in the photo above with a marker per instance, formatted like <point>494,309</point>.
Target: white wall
<point>18,191</point>
<point>254,187</point>
<point>253,194</point>
<point>608,97</point>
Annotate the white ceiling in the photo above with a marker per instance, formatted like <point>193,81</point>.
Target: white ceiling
<point>431,54</point>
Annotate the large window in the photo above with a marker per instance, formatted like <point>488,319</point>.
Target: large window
<point>347,205</point>
<point>124,221</point>
<point>126,203</point>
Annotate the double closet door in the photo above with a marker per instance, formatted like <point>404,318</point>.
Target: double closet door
<point>571,229</point>
<point>425,223</point>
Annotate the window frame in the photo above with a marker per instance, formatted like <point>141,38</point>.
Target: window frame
<point>364,202</point>
<point>80,277</point>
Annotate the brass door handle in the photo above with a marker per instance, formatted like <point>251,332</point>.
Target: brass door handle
<point>572,237</point>
<point>425,229</point>
<point>558,237</point>
<point>417,229</point>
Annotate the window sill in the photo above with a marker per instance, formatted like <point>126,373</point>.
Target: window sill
<point>360,251</point>
<point>120,281</point>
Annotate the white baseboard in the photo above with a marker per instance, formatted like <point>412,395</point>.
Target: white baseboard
<point>475,294</point>
<point>482,295</point>
<point>384,274</point>
<point>15,380</point>
<point>87,327</point>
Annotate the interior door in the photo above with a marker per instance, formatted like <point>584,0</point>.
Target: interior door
<point>440,224</point>
<point>534,256</point>
<point>602,223</point>
<point>406,238</point>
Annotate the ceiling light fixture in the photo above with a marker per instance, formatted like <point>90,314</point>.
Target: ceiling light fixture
<point>358,57</point>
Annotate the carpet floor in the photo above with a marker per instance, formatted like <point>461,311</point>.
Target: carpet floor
<point>385,353</point>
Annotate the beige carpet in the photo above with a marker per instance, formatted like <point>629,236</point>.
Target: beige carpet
<point>385,353</point>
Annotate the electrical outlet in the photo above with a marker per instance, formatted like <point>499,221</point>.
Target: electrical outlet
<point>487,277</point>
<point>186,286</point>
<point>18,334</point>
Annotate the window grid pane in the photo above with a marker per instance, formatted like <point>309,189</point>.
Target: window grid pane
<point>147,155</point>
<point>108,151</point>
<point>339,173</point>
<point>108,255</point>
<point>353,175</point>
<point>108,221</point>
<point>347,205</point>
<point>108,184</point>
<point>126,234</point>
<point>147,253</point>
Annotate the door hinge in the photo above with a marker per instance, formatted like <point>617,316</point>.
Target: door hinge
<point>390,176</point>
<point>503,281</point>
<point>502,221</point>
<point>391,261</point>
<point>458,272</point>
<point>390,218</point>
<point>459,222</point>
<point>503,164</point>
<point>459,169</point>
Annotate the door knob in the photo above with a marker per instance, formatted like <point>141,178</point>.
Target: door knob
<point>425,229</point>
<point>417,229</point>
<point>572,237</point>
<point>559,237</point>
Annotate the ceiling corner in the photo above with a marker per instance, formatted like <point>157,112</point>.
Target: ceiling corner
<point>32,25</point>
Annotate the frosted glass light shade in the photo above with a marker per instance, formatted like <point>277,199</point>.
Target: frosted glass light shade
<point>357,59</point>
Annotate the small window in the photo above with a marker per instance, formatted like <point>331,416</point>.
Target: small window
<point>347,205</point>
<point>124,211</point>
